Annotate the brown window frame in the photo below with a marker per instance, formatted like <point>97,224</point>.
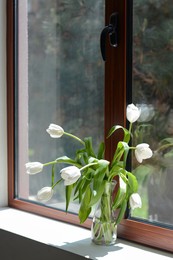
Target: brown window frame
<point>116,76</point>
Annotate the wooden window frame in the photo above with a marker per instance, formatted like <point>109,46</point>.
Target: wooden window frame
<point>116,76</point>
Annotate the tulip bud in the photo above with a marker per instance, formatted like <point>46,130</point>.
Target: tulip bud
<point>132,113</point>
<point>135,201</point>
<point>70,175</point>
<point>33,167</point>
<point>55,131</point>
<point>142,152</point>
<point>45,194</point>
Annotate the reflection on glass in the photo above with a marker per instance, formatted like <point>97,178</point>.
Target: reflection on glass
<point>65,80</point>
<point>153,92</point>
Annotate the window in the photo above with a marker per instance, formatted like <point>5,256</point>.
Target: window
<point>50,80</point>
<point>152,88</point>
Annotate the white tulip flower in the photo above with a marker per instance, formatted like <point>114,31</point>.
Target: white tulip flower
<point>33,167</point>
<point>135,201</point>
<point>70,175</point>
<point>132,113</point>
<point>55,131</point>
<point>45,194</point>
<point>142,152</point>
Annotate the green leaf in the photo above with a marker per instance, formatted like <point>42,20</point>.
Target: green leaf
<point>101,151</point>
<point>85,185</point>
<point>65,159</point>
<point>133,183</point>
<point>100,173</point>
<point>89,148</point>
<point>97,193</point>
<point>68,195</point>
<point>93,160</point>
<point>168,154</point>
<point>121,194</point>
<point>80,156</point>
<point>121,212</point>
<point>115,170</point>
<point>126,151</point>
<point>167,140</point>
<point>85,210</point>
<point>82,186</point>
<point>79,185</point>
<point>122,148</point>
<point>126,132</point>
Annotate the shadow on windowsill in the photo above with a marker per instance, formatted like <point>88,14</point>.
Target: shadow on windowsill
<point>88,249</point>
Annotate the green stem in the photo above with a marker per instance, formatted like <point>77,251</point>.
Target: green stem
<point>53,173</point>
<point>50,163</point>
<point>55,162</point>
<point>53,186</point>
<point>163,147</point>
<point>104,225</point>
<point>132,148</point>
<point>130,128</point>
<point>106,203</point>
<point>88,165</point>
<point>75,137</point>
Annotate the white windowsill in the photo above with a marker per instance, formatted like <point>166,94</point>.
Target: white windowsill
<point>71,238</point>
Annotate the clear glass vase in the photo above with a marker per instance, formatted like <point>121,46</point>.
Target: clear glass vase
<point>103,228</point>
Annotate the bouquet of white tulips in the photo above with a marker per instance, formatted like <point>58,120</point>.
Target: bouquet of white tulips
<point>88,173</point>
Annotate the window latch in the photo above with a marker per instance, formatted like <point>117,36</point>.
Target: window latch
<point>110,29</point>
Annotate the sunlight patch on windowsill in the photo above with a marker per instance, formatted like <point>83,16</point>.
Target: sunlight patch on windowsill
<point>70,238</point>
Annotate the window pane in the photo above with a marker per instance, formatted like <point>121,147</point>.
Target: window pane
<point>65,84</point>
<point>153,92</point>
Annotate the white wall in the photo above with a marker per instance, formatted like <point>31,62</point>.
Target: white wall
<point>3,136</point>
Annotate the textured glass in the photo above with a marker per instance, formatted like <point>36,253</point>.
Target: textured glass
<point>65,82</point>
<point>153,91</point>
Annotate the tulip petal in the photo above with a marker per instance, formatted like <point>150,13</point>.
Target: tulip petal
<point>33,167</point>
<point>55,131</point>
<point>135,201</point>
<point>142,152</point>
<point>132,113</point>
<point>45,194</point>
<point>70,175</point>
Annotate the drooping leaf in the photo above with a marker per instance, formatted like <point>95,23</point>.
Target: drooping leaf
<point>82,186</point>
<point>121,212</point>
<point>100,173</point>
<point>85,209</point>
<point>79,185</point>
<point>69,190</point>
<point>117,127</point>
<point>97,193</point>
<point>121,194</point>
<point>115,170</point>
<point>132,181</point>
<point>121,151</point>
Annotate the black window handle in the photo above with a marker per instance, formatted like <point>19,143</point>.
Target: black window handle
<point>110,29</point>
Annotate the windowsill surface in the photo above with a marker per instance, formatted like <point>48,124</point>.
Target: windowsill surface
<point>71,238</point>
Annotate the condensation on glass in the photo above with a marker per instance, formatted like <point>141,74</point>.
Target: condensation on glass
<point>64,85</point>
<point>152,91</point>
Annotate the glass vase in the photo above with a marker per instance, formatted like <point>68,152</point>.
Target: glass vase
<point>103,228</point>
